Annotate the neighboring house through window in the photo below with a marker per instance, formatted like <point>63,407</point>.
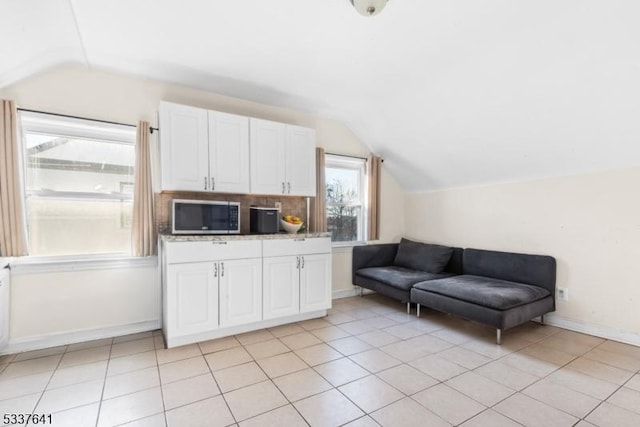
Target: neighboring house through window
<point>346,191</point>
<point>78,185</point>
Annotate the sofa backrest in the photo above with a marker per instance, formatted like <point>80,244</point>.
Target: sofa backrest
<point>537,270</point>
<point>455,263</point>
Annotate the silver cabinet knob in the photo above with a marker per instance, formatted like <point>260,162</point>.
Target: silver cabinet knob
<point>205,182</point>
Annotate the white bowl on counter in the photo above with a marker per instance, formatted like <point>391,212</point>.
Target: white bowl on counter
<point>290,228</point>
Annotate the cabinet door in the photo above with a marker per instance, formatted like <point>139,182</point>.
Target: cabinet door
<point>192,290</point>
<point>301,161</point>
<point>184,143</point>
<point>228,152</point>
<point>267,157</point>
<point>315,282</point>
<point>240,291</point>
<point>281,286</point>
<point>4,307</point>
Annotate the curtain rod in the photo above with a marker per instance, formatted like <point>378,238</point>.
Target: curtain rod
<point>151,129</point>
<point>353,157</point>
<point>346,155</point>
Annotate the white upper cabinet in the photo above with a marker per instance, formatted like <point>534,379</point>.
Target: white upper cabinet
<point>268,140</point>
<point>184,146</point>
<point>301,161</point>
<point>228,153</point>
<point>203,150</point>
<point>282,159</point>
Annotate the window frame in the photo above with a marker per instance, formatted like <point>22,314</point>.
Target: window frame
<point>338,161</point>
<point>79,128</point>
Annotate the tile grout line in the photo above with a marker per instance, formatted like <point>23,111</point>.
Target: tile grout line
<point>104,385</point>
<point>279,389</point>
<point>608,397</point>
<point>50,378</point>
<point>164,407</point>
<point>224,399</point>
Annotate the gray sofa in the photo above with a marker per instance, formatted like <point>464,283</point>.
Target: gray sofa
<point>499,289</point>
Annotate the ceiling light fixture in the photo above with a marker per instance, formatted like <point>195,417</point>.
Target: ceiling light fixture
<point>369,7</point>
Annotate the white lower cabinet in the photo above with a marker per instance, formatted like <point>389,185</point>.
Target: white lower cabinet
<point>297,276</point>
<point>240,291</point>
<point>315,282</point>
<point>218,288</point>
<point>281,286</point>
<point>192,298</point>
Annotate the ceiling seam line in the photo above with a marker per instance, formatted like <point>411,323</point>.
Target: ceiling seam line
<point>75,21</point>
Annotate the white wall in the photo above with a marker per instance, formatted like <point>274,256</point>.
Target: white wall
<point>58,304</point>
<point>590,223</point>
<point>107,96</point>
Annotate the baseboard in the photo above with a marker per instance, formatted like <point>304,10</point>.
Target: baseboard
<point>64,338</point>
<point>345,293</point>
<point>353,292</point>
<point>593,329</point>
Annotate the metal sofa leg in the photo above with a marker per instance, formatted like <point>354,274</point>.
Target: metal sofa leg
<point>408,307</point>
<point>418,310</point>
<point>361,290</point>
<point>542,319</point>
<point>499,336</point>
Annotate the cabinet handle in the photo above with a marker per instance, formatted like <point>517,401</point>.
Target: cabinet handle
<point>302,262</point>
<point>298,263</point>
<point>283,187</point>
<point>215,270</point>
<point>213,183</point>
<point>205,182</point>
<point>222,266</point>
<point>219,242</point>
<point>289,185</point>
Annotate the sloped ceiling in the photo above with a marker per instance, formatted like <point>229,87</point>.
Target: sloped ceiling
<point>451,93</point>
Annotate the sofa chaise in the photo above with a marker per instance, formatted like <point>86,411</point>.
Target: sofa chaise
<point>498,289</point>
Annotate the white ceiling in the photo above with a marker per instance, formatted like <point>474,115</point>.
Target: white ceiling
<point>451,93</point>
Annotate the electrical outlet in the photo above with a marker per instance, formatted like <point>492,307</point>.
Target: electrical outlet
<point>563,294</point>
<point>278,206</point>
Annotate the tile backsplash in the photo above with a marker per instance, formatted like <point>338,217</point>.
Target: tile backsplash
<point>290,205</point>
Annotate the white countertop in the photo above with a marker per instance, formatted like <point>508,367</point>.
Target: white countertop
<point>208,237</point>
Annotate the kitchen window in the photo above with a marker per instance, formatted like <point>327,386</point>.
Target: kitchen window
<point>78,185</point>
<point>346,192</point>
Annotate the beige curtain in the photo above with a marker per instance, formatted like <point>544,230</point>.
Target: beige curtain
<point>375,177</point>
<point>318,214</point>
<point>144,232</point>
<point>13,239</point>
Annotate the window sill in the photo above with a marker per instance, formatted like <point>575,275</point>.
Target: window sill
<point>28,265</point>
<point>340,247</point>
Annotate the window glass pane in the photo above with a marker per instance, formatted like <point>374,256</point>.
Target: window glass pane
<point>58,163</point>
<point>79,192</point>
<point>344,203</point>
<point>78,227</point>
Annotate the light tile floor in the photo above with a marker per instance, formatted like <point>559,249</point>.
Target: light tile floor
<point>367,363</point>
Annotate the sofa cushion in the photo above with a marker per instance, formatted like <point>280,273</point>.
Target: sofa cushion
<point>422,256</point>
<point>538,270</point>
<point>398,277</point>
<point>487,292</point>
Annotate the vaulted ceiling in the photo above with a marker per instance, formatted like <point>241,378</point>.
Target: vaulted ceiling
<point>451,93</point>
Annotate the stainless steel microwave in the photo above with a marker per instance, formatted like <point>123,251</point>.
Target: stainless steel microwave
<point>205,217</point>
